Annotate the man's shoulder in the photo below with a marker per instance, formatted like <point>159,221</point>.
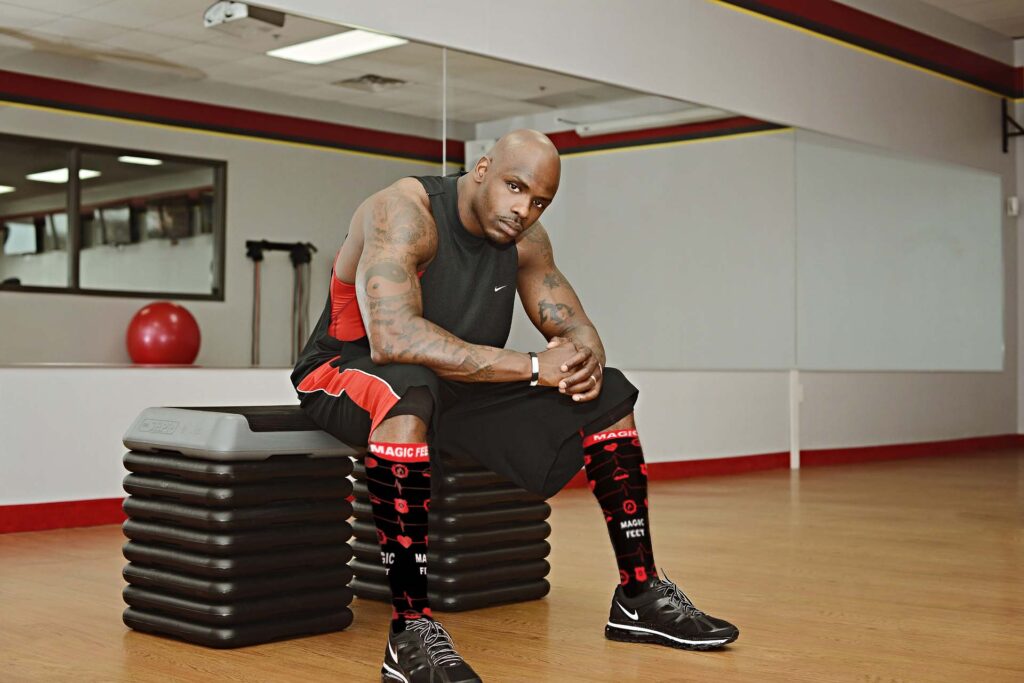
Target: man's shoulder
<point>409,189</point>
<point>533,245</point>
<point>403,197</point>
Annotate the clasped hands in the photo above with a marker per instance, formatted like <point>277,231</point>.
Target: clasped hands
<point>572,367</point>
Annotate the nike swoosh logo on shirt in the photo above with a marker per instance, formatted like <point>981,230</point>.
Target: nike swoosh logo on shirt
<point>498,289</point>
<point>632,615</point>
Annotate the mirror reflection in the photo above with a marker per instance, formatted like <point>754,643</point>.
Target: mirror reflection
<point>147,224</point>
<point>33,212</point>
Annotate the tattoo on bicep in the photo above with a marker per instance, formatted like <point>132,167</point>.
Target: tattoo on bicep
<point>553,280</point>
<point>557,313</point>
<point>387,279</point>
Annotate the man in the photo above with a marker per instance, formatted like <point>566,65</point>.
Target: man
<point>410,351</point>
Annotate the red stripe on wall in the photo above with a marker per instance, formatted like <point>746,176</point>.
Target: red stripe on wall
<point>40,516</point>
<point>682,469</point>
<point>120,103</point>
<point>868,28</point>
<point>841,456</point>
<point>568,141</point>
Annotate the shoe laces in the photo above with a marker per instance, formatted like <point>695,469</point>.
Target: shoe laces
<point>436,641</point>
<point>678,598</point>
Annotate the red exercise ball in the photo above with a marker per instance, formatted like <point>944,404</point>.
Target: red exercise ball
<point>163,333</point>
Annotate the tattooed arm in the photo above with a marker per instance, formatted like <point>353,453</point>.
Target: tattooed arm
<point>556,311</point>
<point>399,237</point>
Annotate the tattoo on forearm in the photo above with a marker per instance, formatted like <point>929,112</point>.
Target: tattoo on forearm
<point>556,313</point>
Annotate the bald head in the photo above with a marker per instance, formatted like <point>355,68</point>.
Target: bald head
<point>529,149</point>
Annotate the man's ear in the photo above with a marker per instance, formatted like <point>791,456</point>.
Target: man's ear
<point>481,168</point>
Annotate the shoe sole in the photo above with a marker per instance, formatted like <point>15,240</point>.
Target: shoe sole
<point>637,634</point>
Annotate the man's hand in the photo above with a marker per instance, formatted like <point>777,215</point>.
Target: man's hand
<point>553,363</point>
<point>583,374</point>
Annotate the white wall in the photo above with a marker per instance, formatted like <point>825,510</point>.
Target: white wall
<point>62,425</point>
<point>274,191</point>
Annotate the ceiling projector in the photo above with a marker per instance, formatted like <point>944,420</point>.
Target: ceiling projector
<point>220,13</point>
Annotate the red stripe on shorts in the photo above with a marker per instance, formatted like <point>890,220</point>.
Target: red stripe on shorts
<point>367,391</point>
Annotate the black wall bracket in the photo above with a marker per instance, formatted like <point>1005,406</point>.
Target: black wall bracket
<point>1008,123</point>
<point>299,252</point>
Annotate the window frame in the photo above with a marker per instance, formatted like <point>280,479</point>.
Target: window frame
<point>73,204</point>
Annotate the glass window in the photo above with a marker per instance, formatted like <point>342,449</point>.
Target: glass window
<point>33,213</point>
<point>146,224</point>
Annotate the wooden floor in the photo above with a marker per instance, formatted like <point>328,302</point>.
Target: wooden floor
<point>907,570</point>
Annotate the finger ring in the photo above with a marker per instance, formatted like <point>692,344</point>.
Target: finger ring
<point>593,379</point>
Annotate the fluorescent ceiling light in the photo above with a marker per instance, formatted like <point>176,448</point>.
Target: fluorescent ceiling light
<point>4,189</point>
<point>60,175</point>
<point>677,118</point>
<point>141,161</point>
<point>338,46</point>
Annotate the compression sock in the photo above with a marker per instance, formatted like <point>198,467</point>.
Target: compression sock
<point>617,474</point>
<point>398,481</point>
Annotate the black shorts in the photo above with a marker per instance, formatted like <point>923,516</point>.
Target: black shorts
<point>533,436</point>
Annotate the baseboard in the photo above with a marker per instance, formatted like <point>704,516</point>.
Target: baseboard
<point>79,513</point>
<point>60,515</point>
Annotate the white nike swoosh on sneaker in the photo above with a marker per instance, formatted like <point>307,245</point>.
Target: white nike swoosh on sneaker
<point>498,289</point>
<point>632,615</point>
<point>393,673</point>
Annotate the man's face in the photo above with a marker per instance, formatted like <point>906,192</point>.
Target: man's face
<point>513,196</point>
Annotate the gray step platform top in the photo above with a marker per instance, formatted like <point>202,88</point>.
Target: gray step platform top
<point>233,433</point>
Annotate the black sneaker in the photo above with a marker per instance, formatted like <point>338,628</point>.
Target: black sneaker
<point>424,653</point>
<point>662,614</point>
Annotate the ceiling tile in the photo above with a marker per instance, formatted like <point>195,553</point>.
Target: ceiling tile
<point>273,65</point>
<point>144,41</point>
<point>234,72</point>
<point>259,38</point>
<point>419,73</point>
<point>61,7</point>
<point>202,56</point>
<point>285,84</point>
<point>506,109</point>
<point>188,28</point>
<point>76,29</point>
<point>12,17</point>
<point>421,108</point>
<point>336,94</point>
<point>142,13</point>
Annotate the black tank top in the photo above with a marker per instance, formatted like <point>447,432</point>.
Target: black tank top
<point>468,289</point>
